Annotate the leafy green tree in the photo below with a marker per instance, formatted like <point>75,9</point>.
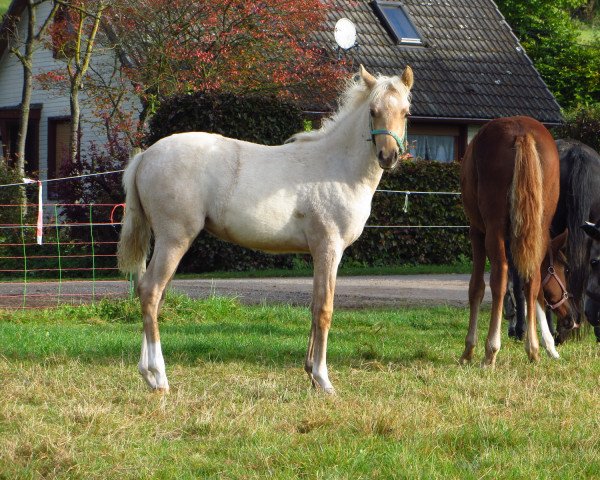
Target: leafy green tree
<point>545,28</point>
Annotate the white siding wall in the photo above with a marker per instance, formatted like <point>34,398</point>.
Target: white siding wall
<point>53,104</point>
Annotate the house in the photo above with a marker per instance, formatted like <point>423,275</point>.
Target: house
<point>469,68</point>
<point>50,115</point>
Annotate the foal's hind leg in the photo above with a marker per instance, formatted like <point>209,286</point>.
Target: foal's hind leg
<point>326,258</point>
<point>495,248</point>
<point>165,259</point>
<point>476,292</point>
<point>532,345</point>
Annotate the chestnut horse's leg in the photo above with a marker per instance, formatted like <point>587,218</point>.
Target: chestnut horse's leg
<point>532,345</point>
<point>476,291</point>
<point>326,259</point>
<point>495,248</point>
<point>165,259</point>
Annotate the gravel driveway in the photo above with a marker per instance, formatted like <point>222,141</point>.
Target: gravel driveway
<point>351,292</point>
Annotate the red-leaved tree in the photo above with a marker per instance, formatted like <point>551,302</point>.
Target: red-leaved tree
<point>165,47</point>
<point>174,46</point>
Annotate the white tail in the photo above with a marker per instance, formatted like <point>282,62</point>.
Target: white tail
<point>135,233</point>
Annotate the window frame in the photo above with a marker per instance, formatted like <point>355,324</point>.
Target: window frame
<point>379,7</point>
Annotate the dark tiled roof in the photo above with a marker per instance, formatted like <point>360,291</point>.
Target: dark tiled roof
<point>471,66</point>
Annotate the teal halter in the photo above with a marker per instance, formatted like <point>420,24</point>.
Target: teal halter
<point>401,141</point>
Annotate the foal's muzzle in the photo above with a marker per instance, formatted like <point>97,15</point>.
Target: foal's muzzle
<point>389,161</point>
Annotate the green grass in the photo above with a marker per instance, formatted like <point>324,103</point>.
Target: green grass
<point>73,405</point>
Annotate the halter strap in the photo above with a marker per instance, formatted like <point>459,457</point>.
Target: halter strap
<point>401,141</point>
<point>552,274</point>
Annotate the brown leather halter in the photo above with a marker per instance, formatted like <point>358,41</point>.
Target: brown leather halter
<point>552,274</point>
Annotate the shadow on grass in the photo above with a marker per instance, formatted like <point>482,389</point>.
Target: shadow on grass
<point>217,330</point>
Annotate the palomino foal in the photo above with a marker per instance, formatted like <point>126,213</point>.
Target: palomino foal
<point>311,195</point>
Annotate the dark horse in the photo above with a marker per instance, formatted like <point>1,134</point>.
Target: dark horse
<point>592,302</point>
<point>579,201</point>
<point>510,188</point>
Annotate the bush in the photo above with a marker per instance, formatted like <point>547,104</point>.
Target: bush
<point>264,120</point>
<point>583,124</point>
<point>9,196</point>
<point>78,195</point>
<point>396,246</point>
<point>20,256</point>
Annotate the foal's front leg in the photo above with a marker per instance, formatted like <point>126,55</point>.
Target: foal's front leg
<point>326,260</point>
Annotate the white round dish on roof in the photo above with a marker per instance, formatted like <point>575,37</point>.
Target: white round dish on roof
<point>345,33</point>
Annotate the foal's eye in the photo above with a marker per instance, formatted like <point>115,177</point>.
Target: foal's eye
<point>372,112</point>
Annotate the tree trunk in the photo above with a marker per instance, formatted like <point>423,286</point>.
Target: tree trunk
<point>26,62</point>
<point>75,113</point>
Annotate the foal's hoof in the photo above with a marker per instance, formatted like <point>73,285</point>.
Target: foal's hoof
<point>534,357</point>
<point>329,391</point>
<point>464,360</point>
<point>161,390</point>
<point>487,363</point>
<point>467,356</point>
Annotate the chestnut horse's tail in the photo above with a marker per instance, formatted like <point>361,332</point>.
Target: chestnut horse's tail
<point>527,240</point>
<point>135,236</point>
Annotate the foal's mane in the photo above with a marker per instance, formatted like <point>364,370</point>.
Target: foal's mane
<point>354,95</point>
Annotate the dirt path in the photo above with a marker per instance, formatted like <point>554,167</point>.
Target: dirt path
<point>351,292</point>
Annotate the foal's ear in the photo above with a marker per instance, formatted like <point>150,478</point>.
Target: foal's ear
<point>407,77</point>
<point>369,79</point>
<point>560,241</point>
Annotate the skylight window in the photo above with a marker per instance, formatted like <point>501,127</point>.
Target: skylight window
<point>397,21</point>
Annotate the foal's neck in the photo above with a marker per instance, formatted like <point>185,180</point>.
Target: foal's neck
<point>351,138</point>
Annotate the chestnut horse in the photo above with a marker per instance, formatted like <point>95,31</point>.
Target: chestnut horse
<point>510,188</point>
<point>311,195</point>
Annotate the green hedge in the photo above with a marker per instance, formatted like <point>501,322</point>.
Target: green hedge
<point>394,246</point>
<point>268,121</point>
<point>583,124</point>
<point>264,120</point>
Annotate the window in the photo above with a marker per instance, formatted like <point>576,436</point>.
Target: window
<point>9,134</point>
<point>432,147</point>
<point>439,142</point>
<point>398,23</point>
<point>59,134</point>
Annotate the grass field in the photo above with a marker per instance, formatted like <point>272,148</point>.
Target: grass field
<point>74,406</point>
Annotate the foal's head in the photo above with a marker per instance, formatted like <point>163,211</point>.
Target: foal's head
<point>389,103</point>
<point>554,285</point>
